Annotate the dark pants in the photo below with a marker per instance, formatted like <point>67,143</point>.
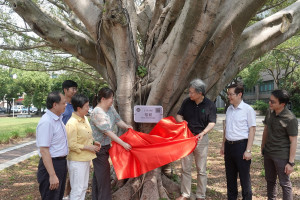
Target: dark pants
<point>101,186</point>
<point>235,165</point>
<point>275,167</point>
<point>60,168</point>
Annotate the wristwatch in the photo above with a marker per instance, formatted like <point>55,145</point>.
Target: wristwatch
<point>291,163</point>
<point>248,151</point>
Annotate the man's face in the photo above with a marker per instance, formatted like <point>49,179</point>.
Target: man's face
<point>70,91</point>
<point>61,106</point>
<point>274,103</point>
<point>233,97</point>
<point>193,94</point>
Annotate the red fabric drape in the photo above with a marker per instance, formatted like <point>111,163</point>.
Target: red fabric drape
<point>168,141</point>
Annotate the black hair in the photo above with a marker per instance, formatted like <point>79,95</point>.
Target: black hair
<point>238,88</point>
<point>78,100</point>
<point>53,97</point>
<point>103,93</point>
<point>68,83</point>
<point>282,96</point>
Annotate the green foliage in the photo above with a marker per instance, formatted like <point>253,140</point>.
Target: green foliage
<point>261,106</point>
<point>221,110</point>
<point>142,71</point>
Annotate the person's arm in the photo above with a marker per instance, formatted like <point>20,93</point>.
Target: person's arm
<point>47,160</point>
<point>206,130</point>
<point>248,155</point>
<point>293,146</point>
<point>123,125</point>
<point>115,138</point>
<point>264,139</point>
<point>222,150</point>
<point>179,118</point>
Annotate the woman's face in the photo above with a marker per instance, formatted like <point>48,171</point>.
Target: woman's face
<point>108,101</point>
<point>85,109</point>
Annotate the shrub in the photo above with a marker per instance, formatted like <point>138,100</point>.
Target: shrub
<point>220,110</point>
<point>261,106</point>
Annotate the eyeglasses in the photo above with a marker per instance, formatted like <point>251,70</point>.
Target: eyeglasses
<point>74,89</point>
<point>272,101</point>
<point>231,94</point>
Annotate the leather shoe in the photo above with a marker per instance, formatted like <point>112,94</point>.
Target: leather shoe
<point>181,198</point>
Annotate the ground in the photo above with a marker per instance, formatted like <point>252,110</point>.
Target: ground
<point>19,181</point>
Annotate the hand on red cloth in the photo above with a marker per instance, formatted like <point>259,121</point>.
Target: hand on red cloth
<point>168,141</point>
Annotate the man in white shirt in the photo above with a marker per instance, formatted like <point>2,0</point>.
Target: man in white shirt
<point>237,143</point>
<point>51,140</point>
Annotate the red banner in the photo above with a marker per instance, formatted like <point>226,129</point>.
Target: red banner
<point>168,141</point>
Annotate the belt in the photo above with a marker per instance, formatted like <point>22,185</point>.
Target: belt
<point>236,142</point>
<point>60,158</point>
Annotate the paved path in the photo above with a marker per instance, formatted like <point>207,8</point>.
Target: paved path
<point>259,130</point>
<point>15,154</point>
<point>18,153</point>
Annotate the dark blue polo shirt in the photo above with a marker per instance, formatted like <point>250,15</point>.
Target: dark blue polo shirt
<point>198,116</point>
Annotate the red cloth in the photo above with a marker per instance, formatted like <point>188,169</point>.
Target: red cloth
<point>168,141</point>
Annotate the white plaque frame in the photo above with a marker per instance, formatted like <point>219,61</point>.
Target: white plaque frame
<point>147,114</point>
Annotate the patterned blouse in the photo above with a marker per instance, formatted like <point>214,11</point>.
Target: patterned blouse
<point>101,122</point>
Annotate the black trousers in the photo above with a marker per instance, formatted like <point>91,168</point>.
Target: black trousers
<point>101,186</point>
<point>60,168</point>
<point>235,165</point>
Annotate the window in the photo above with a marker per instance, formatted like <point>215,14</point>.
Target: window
<point>266,87</point>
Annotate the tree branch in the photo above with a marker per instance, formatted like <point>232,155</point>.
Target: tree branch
<point>59,34</point>
<point>24,48</point>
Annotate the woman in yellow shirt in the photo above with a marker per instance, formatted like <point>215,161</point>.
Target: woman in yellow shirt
<point>82,148</point>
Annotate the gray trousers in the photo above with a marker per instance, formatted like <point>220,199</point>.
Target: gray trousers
<point>200,155</point>
<point>275,167</point>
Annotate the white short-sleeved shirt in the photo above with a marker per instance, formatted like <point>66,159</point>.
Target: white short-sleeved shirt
<point>238,121</point>
<point>51,132</point>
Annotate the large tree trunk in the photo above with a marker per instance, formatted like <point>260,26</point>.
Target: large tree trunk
<point>175,40</point>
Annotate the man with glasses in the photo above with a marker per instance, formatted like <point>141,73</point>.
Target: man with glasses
<point>200,114</point>
<point>51,140</point>
<point>70,88</point>
<point>279,144</point>
<point>237,143</point>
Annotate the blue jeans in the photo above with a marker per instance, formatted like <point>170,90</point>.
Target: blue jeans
<point>275,167</point>
<point>235,165</point>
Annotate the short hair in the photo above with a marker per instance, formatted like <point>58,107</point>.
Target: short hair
<point>282,96</point>
<point>103,93</point>
<point>198,85</point>
<point>53,97</point>
<point>238,88</point>
<point>78,100</point>
<point>68,83</point>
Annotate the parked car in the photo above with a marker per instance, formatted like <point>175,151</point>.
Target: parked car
<point>24,110</point>
<point>33,109</point>
<point>2,110</point>
<point>16,109</point>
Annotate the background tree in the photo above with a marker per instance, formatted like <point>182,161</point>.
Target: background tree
<point>173,41</point>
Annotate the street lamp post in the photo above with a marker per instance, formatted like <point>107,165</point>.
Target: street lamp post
<point>13,107</point>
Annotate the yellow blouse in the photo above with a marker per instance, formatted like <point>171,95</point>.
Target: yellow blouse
<point>79,134</point>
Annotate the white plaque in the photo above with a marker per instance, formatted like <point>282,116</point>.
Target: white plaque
<point>148,114</point>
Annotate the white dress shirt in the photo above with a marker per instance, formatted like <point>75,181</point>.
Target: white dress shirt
<point>238,121</point>
<point>51,132</point>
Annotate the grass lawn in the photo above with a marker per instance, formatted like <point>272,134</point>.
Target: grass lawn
<point>11,128</point>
